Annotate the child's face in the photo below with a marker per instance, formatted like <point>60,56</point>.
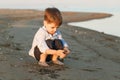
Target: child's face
<point>51,27</point>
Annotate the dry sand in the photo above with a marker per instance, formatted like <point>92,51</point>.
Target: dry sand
<point>94,55</point>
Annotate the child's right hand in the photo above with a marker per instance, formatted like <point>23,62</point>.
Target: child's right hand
<point>61,53</point>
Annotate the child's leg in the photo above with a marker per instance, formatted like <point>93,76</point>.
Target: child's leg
<point>56,61</point>
<point>54,57</point>
<point>41,57</point>
<point>59,46</point>
<point>49,43</point>
<point>37,53</point>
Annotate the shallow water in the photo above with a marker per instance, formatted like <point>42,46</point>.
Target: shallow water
<point>109,25</point>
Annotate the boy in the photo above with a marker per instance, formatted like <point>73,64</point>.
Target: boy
<point>48,44</point>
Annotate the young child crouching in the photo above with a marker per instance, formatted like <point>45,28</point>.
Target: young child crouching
<point>48,44</point>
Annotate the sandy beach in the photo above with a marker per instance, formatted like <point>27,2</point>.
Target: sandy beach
<point>94,55</point>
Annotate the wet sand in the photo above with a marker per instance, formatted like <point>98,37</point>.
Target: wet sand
<point>94,55</point>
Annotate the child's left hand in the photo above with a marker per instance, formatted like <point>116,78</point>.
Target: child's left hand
<point>66,50</point>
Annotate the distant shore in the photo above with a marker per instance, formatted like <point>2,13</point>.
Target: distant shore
<point>94,55</point>
<point>19,14</point>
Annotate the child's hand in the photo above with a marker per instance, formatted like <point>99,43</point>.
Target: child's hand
<point>61,53</point>
<point>66,50</point>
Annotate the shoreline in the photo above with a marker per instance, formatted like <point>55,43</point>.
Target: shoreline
<point>94,55</point>
<point>104,25</point>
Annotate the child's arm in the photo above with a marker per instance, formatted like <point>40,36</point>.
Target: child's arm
<point>66,50</point>
<point>52,52</point>
<point>61,38</point>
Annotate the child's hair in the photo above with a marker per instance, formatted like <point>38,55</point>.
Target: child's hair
<point>53,15</point>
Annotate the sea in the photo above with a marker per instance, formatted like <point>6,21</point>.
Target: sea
<point>110,25</point>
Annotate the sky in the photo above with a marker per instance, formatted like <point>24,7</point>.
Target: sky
<point>64,4</point>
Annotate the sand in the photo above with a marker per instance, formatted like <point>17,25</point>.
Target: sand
<point>94,55</point>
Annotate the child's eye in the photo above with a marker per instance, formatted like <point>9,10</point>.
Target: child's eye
<point>52,27</point>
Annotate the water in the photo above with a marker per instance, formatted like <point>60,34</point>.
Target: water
<point>108,25</point>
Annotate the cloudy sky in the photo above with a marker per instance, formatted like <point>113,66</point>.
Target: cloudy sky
<point>38,4</point>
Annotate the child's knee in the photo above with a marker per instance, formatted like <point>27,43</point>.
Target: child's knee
<point>58,44</point>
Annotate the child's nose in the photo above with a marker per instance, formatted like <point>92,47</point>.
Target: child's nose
<point>55,29</point>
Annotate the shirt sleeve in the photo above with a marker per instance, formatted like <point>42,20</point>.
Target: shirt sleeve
<point>61,38</point>
<point>40,40</point>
